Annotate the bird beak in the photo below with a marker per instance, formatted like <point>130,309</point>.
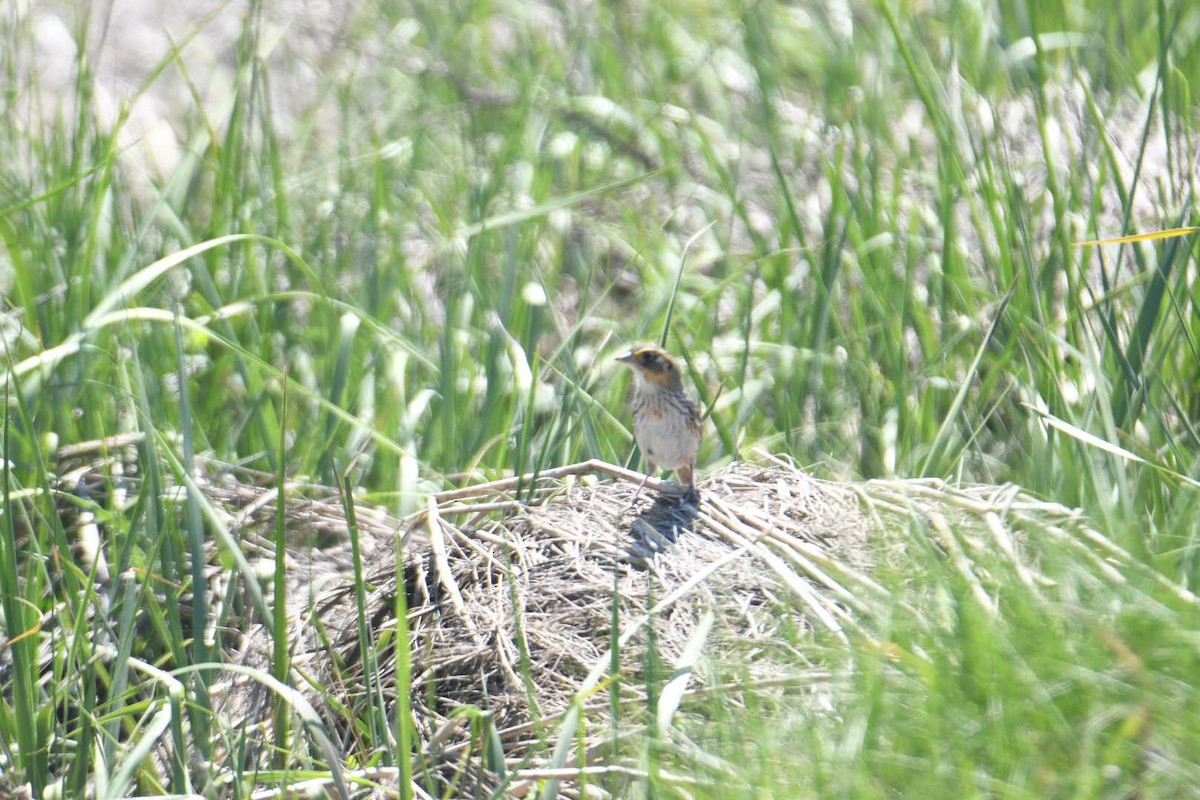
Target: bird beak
<point>626,359</point>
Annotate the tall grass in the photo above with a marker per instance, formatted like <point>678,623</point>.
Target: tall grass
<point>873,208</point>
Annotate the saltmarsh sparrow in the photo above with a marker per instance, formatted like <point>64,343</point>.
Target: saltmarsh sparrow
<point>666,421</point>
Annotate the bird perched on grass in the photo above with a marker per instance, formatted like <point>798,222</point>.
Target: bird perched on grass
<point>666,421</point>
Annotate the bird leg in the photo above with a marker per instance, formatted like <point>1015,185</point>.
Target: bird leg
<point>650,471</point>
<point>691,493</point>
<point>685,476</point>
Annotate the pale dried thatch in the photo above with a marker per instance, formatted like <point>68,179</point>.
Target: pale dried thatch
<point>494,589</point>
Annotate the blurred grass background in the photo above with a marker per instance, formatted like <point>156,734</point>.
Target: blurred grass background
<point>858,219</point>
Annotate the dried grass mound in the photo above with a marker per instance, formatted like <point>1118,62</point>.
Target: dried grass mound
<point>511,608</point>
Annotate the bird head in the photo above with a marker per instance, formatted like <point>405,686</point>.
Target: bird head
<point>653,367</point>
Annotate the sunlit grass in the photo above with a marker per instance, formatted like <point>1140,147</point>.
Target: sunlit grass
<point>861,222</point>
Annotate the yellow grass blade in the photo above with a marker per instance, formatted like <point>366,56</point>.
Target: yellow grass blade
<point>1140,237</point>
